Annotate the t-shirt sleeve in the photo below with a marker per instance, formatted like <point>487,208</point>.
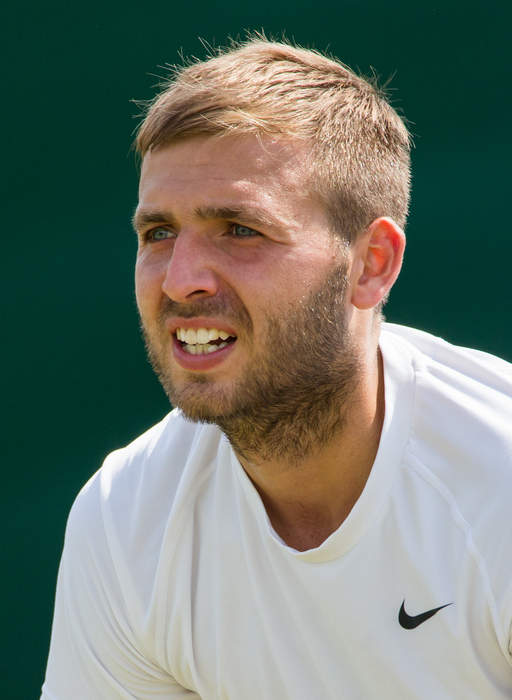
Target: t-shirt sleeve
<point>94,650</point>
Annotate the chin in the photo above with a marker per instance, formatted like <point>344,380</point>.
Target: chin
<point>198,414</point>
<point>199,403</point>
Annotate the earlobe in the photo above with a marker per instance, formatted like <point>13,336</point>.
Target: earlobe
<point>379,255</point>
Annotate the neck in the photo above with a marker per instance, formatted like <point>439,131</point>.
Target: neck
<point>310,488</point>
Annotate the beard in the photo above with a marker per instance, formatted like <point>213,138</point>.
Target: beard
<point>293,398</point>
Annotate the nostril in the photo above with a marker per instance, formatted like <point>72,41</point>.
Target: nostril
<point>199,292</point>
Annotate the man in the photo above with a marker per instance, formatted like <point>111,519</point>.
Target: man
<point>326,512</point>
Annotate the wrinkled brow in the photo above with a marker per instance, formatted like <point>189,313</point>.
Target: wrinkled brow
<point>242,213</point>
<point>247,214</point>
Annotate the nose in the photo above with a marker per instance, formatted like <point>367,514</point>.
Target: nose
<point>190,271</point>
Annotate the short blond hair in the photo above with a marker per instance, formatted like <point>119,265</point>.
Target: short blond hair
<point>359,156</point>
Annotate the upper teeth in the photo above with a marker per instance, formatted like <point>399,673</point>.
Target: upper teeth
<point>194,336</point>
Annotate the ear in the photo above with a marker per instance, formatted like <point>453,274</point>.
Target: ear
<point>378,256</point>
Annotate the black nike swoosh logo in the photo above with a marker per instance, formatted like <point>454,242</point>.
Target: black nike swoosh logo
<point>409,622</point>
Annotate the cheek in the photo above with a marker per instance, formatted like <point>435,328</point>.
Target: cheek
<point>296,278</point>
<point>269,288</point>
<point>148,284</point>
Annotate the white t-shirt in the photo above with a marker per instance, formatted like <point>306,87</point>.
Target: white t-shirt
<point>173,583</point>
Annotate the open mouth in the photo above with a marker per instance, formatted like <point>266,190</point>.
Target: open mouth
<point>203,341</point>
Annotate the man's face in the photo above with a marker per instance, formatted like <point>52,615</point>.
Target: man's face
<point>232,241</point>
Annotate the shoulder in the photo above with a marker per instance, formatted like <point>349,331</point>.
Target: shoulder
<point>462,398</point>
<point>436,355</point>
<point>460,423</point>
<point>460,437</point>
<point>140,486</point>
<point>455,383</point>
<point>113,552</point>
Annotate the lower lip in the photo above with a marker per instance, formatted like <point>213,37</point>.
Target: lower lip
<point>200,362</point>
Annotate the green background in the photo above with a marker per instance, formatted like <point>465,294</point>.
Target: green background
<point>76,382</point>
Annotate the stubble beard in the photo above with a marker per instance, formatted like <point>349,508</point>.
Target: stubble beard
<point>293,398</point>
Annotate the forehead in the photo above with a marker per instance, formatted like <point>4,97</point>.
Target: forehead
<point>241,165</point>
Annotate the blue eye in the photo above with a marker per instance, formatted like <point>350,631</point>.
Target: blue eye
<point>159,234</point>
<point>241,231</point>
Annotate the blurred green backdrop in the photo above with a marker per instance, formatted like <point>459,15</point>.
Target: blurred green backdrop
<point>76,380</point>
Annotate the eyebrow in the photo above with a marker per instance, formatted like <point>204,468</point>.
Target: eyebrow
<point>246,213</point>
<point>142,218</point>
